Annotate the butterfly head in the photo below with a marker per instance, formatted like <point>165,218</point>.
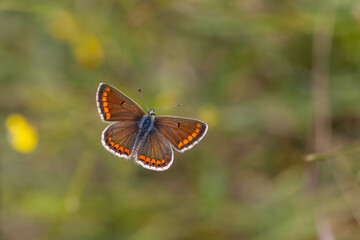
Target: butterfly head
<point>151,112</point>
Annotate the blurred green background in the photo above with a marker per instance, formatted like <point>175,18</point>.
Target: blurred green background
<point>247,68</point>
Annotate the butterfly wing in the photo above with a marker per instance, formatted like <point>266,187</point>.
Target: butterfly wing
<point>182,133</point>
<point>155,152</point>
<point>119,138</point>
<point>113,105</point>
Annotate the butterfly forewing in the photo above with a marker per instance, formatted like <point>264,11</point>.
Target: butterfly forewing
<point>155,152</point>
<point>113,105</point>
<point>119,138</point>
<point>182,133</point>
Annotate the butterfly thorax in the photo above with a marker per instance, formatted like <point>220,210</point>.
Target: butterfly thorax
<point>146,124</point>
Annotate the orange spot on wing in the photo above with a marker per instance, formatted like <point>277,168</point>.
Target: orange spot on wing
<point>198,125</point>
<point>107,89</point>
<point>112,143</point>
<point>153,161</point>
<point>110,133</point>
<point>180,144</point>
<point>197,130</point>
<point>104,99</point>
<point>142,157</point>
<point>147,160</point>
<point>126,150</point>
<point>185,141</point>
<point>162,161</point>
<point>109,139</point>
<point>121,149</point>
<point>194,134</point>
<point>105,94</point>
<point>108,115</point>
<point>106,110</point>
<point>116,146</point>
<point>105,104</point>
<point>190,138</point>
<point>158,162</point>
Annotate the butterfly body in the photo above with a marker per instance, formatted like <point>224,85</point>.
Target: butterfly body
<point>146,138</point>
<point>146,127</point>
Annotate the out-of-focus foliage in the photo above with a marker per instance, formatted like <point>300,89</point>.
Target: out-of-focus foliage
<point>245,67</point>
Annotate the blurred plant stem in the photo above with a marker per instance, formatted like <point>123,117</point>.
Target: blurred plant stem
<point>322,43</point>
<point>322,138</point>
<point>313,157</point>
<point>71,201</point>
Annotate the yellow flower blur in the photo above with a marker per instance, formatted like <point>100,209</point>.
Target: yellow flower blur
<point>86,48</point>
<point>63,26</point>
<point>21,135</point>
<point>88,51</point>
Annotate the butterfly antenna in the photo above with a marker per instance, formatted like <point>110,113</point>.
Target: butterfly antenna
<point>143,98</point>
<point>177,105</point>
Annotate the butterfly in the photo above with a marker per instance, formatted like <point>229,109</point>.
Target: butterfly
<point>148,139</point>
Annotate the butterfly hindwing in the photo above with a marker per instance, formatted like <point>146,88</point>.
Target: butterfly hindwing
<point>119,138</point>
<point>155,152</point>
<point>113,105</point>
<point>182,133</point>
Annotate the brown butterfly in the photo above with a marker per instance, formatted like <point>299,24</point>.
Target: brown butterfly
<point>146,138</point>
